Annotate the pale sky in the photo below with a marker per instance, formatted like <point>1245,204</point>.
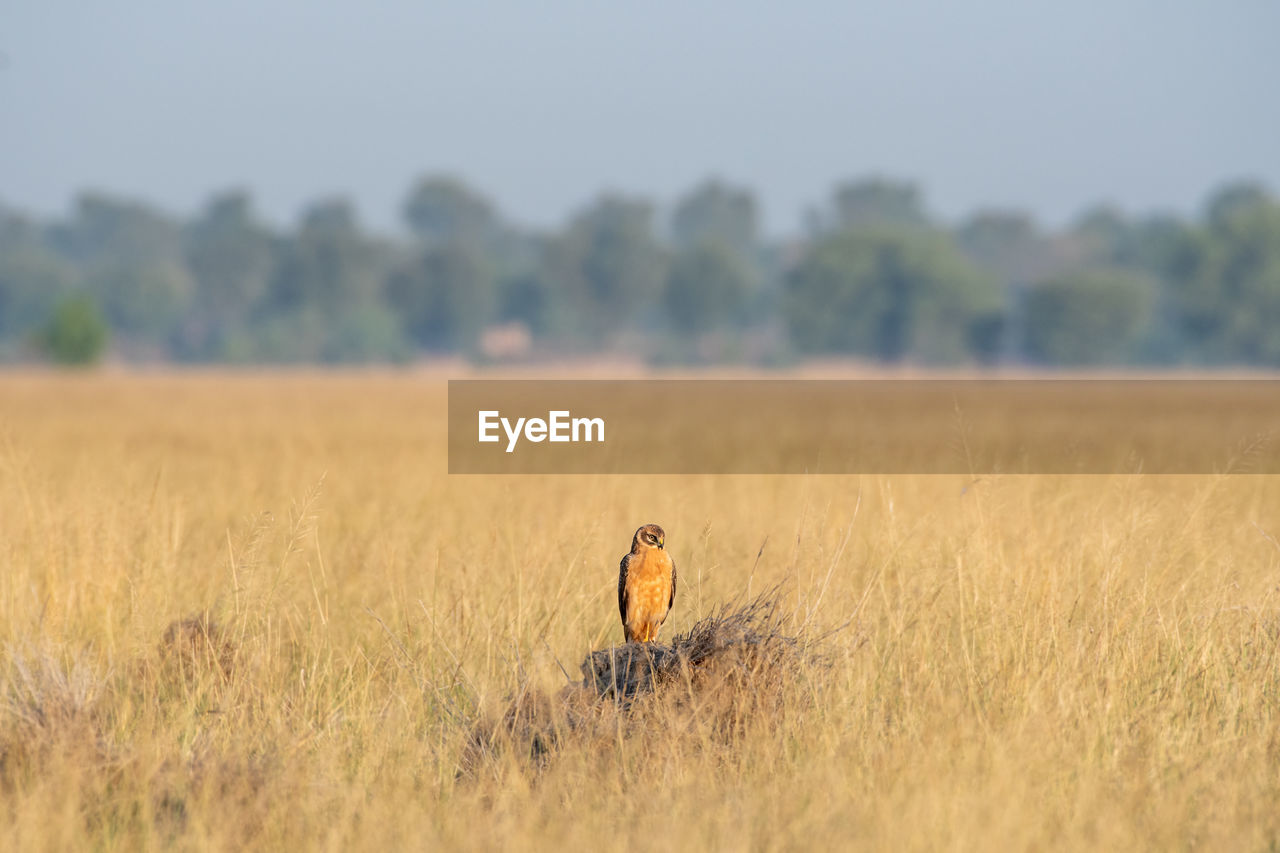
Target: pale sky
<point>1046,107</point>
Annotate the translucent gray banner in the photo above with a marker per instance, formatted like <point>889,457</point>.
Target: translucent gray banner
<point>934,426</point>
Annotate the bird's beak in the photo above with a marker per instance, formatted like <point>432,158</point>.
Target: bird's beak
<point>662,542</point>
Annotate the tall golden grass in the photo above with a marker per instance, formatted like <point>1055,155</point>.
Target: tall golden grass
<point>253,612</point>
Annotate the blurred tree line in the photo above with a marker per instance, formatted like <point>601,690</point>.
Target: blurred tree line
<point>874,276</point>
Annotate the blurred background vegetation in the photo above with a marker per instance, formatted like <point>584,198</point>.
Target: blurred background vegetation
<point>872,276</point>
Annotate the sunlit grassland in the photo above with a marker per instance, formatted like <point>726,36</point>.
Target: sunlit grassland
<point>1022,661</point>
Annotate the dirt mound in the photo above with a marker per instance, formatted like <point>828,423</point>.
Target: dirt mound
<point>737,665</point>
<point>742,642</point>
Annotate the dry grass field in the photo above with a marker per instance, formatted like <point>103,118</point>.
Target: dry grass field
<point>253,612</point>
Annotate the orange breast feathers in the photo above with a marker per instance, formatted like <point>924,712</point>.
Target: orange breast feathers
<point>648,587</point>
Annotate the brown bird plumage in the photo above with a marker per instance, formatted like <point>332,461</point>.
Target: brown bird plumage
<point>646,585</point>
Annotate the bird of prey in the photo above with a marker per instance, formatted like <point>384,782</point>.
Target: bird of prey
<point>646,585</point>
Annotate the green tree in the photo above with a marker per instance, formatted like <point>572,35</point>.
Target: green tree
<point>1242,271</point>
<point>130,258</point>
<point>143,300</point>
<point>368,333</point>
<point>888,294</point>
<point>76,334</point>
<point>607,267</point>
<point>297,336</point>
<point>1235,199</point>
<point>326,276</point>
<point>1094,316</point>
<point>1102,236</point>
<point>106,229</point>
<point>1154,245</point>
<point>441,208</point>
<point>528,298</point>
<point>1224,279</point>
<point>231,258</point>
<point>707,288</point>
<point>32,280</point>
<point>329,264</point>
<point>1008,244</point>
<point>17,230</point>
<point>876,202</point>
<point>716,212</point>
<point>444,297</point>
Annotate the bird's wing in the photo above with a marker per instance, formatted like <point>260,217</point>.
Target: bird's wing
<point>672,602</point>
<point>622,587</point>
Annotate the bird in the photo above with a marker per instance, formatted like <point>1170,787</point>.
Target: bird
<point>646,585</point>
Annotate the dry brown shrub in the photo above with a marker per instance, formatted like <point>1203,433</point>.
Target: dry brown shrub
<point>736,667</point>
<point>194,646</point>
<point>48,705</point>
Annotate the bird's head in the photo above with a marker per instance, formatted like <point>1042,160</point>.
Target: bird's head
<point>649,536</point>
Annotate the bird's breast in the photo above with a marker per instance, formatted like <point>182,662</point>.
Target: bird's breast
<point>655,564</point>
<point>649,579</point>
